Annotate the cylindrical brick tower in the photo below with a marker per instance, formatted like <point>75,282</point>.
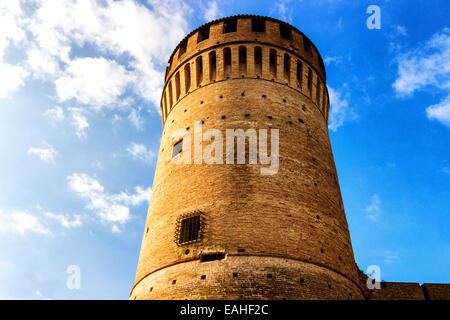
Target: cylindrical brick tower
<point>225,231</point>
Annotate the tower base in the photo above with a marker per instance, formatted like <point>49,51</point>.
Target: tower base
<point>240,277</point>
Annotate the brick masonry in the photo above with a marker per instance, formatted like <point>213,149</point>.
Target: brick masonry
<point>281,236</point>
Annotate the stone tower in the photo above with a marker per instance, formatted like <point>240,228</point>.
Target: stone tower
<point>225,231</point>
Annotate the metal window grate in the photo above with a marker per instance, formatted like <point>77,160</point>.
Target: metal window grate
<point>189,228</point>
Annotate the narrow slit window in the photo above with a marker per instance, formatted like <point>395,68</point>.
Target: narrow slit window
<point>199,66</point>
<point>309,79</point>
<point>203,34</point>
<point>177,148</point>
<point>258,61</point>
<point>242,60</point>
<point>187,77</point>
<point>273,63</point>
<point>189,228</point>
<point>227,62</point>
<point>170,94</point>
<point>177,85</point>
<point>287,67</point>
<point>212,66</point>
<point>258,25</point>
<point>230,26</point>
<point>165,105</point>
<point>299,73</point>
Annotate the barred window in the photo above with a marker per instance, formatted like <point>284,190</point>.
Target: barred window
<point>189,228</point>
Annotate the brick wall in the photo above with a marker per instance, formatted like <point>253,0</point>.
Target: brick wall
<point>290,225</point>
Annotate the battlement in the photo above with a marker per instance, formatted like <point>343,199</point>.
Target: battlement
<point>245,46</point>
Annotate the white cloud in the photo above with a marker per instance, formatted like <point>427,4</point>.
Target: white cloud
<point>140,151</point>
<point>339,109</point>
<point>427,65</point>
<point>21,222</point>
<point>94,81</point>
<point>115,229</point>
<point>390,257</point>
<point>401,30</point>
<point>79,121</point>
<point>136,118</point>
<point>128,45</point>
<point>41,63</point>
<point>56,113</point>
<point>373,208</point>
<point>283,10</point>
<point>440,111</point>
<point>140,195</point>
<point>116,118</point>
<point>46,153</point>
<point>64,220</point>
<point>110,208</point>
<point>329,60</point>
<point>11,78</point>
<point>84,184</point>
<point>10,24</point>
<point>211,11</point>
<point>146,36</point>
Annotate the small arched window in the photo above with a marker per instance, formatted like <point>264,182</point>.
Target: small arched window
<point>170,94</point>
<point>309,80</point>
<point>199,69</point>
<point>258,61</point>
<point>177,85</point>
<point>242,60</point>
<point>299,73</point>
<point>273,63</point>
<point>212,66</point>
<point>187,77</point>
<point>227,62</point>
<point>287,67</point>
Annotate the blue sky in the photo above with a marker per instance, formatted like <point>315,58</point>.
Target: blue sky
<point>80,127</point>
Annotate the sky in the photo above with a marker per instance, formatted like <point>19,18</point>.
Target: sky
<point>80,127</point>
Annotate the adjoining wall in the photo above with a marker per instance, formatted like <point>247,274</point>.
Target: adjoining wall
<point>436,291</point>
<point>397,291</point>
<point>404,290</point>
